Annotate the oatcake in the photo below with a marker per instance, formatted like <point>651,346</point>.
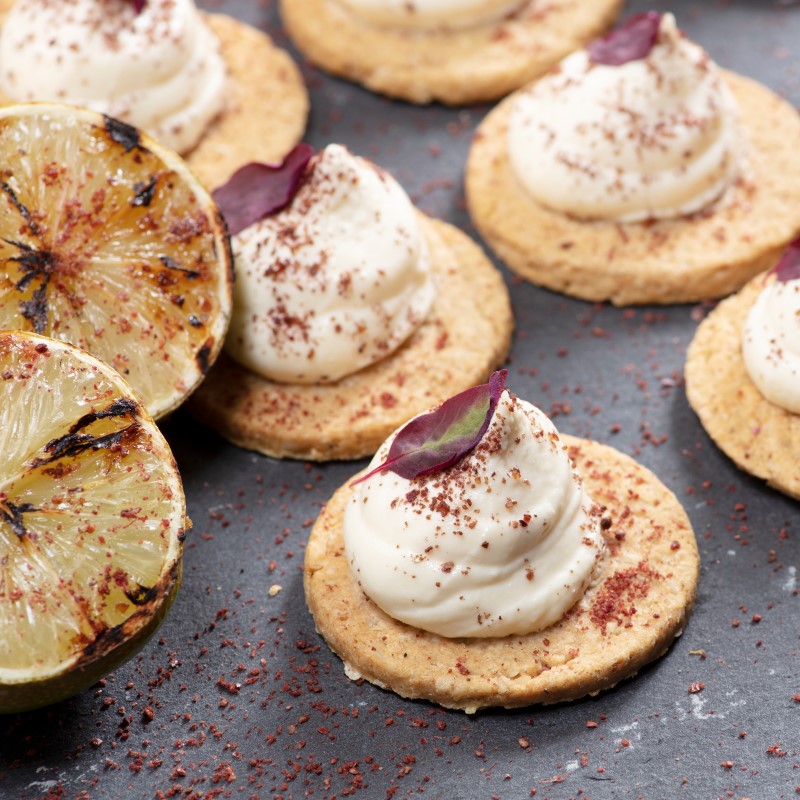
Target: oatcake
<point>638,603</point>
<point>454,67</point>
<point>760,437</point>
<point>705,255</point>
<point>466,336</point>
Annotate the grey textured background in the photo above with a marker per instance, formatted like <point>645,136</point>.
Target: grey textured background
<point>296,727</point>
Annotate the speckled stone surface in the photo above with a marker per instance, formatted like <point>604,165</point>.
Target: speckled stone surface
<point>237,696</point>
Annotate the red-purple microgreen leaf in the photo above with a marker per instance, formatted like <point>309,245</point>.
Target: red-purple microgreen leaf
<point>257,190</point>
<point>138,5</point>
<point>436,440</point>
<point>788,268</point>
<point>633,40</point>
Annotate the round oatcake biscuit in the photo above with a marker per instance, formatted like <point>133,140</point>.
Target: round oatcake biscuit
<point>638,603</point>
<point>705,255</point>
<point>760,437</point>
<point>465,337</point>
<point>266,103</point>
<point>455,67</point>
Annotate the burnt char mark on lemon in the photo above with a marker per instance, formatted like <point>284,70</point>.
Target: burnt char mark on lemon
<point>20,206</point>
<point>169,263</point>
<point>74,443</point>
<point>123,134</point>
<point>105,640</point>
<point>203,357</point>
<point>142,595</point>
<point>35,309</point>
<point>227,245</point>
<point>109,638</point>
<point>12,514</point>
<point>119,408</point>
<point>35,264</point>
<point>144,192</point>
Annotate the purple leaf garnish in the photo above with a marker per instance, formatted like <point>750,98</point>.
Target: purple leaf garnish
<point>633,40</point>
<point>788,268</point>
<point>257,190</point>
<point>138,5</point>
<point>436,440</point>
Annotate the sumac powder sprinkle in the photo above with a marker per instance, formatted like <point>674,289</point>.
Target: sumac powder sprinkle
<point>614,600</point>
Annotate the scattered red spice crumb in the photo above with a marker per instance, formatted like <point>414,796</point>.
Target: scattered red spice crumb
<point>388,400</point>
<point>614,600</point>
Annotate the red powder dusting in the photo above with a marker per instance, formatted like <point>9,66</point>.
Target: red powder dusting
<point>614,601</point>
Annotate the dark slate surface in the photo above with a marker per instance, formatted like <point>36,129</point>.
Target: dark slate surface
<point>248,701</point>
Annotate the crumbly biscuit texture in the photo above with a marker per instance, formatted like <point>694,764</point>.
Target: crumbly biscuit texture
<point>454,67</point>
<point>760,437</point>
<point>705,255</point>
<point>267,105</point>
<point>467,335</point>
<point>266,108</point>
<point>638,603</point>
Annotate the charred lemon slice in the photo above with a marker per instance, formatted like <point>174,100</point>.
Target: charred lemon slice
<point>109,242</point>
<point>92,519</point>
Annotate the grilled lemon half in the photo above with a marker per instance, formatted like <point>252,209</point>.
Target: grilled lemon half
<point>109,242</point>
<point>92,521</point>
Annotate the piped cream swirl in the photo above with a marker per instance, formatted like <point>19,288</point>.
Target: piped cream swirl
<point>656,137</point>
<point>503,542</point>
<point>771,344</point>
<point>160,70</point>
<point>336,281</point>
